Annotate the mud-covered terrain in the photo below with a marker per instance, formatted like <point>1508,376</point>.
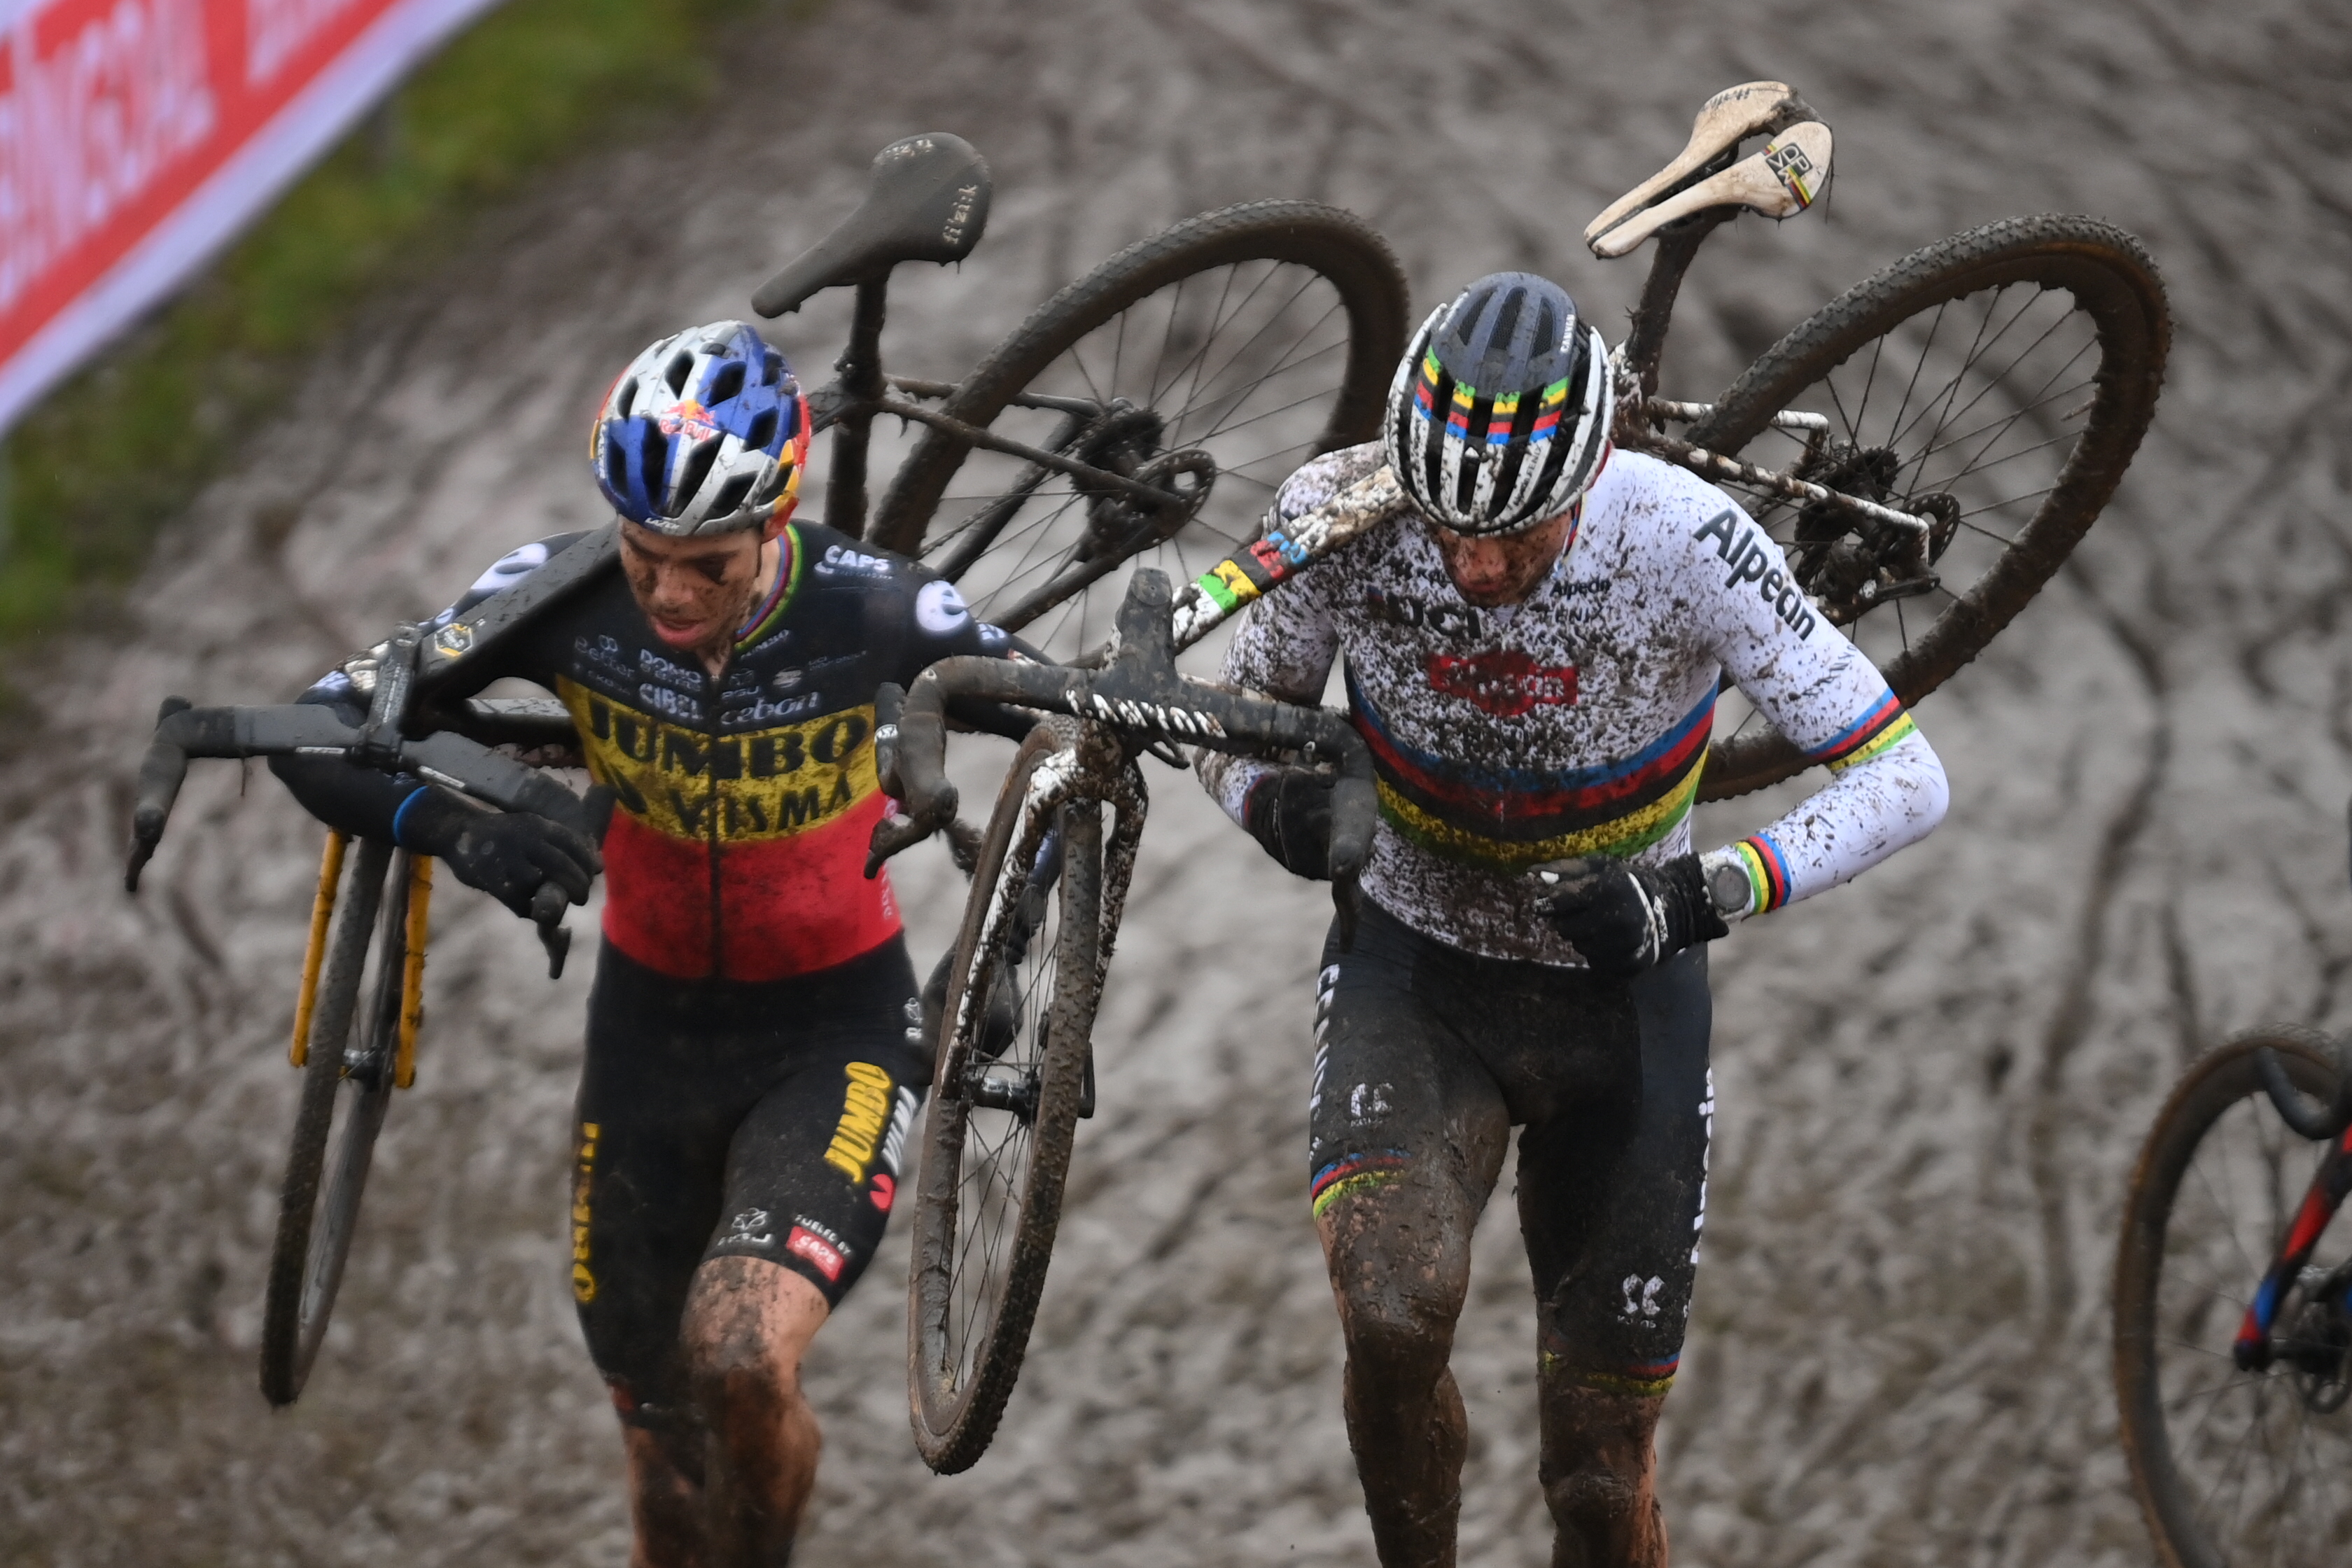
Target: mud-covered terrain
<point>1931,1085</point>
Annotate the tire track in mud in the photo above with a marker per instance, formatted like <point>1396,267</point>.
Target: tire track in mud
<point>1930,1085</point>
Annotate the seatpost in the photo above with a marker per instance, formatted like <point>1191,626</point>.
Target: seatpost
<point>1645,344</point>
<point>860,365</point>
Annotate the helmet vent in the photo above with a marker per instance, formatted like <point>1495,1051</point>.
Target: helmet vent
<point>616,465</point>
<point>727,384</point>
<point>730,495</point>
<point>772,368</point>
<point>681,366</point>
<point>1506,318</point>
<point>1466,317</point>
<point>690,475</point>
<point>652,458</point>
<point>1546,328</point>
<point>627,400</point>
<point>762,432</point>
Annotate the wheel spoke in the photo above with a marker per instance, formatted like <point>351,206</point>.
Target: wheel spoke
<point>1925,349</point>
<point>1977,349</point>
<point>1938,441</point>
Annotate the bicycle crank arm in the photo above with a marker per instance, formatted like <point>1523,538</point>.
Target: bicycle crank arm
<point>1657,408</point>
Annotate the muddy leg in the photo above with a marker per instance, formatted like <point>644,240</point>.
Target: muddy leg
<point>1598,1468</point>
<point>1399,1262</point>
<point>748,1323</point>
<point>666,1505</point>
<point>1407,1133</point>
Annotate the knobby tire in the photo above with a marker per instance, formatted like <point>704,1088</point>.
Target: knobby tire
<point>2110,277</point>
<point>1337,246</point>
<point>2189,1529</point>
<point>954,1405</point>
<point>314,1238</point>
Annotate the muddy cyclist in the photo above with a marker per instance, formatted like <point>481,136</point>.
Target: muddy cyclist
<point>1533,654</point>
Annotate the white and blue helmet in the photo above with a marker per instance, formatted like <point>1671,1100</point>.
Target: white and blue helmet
<point>1499,415</point>
<point>705,433</point>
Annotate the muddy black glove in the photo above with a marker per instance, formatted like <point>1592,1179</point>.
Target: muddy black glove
<point>1289,811</point>
<point>506,854</point>
<point>1622,919</point>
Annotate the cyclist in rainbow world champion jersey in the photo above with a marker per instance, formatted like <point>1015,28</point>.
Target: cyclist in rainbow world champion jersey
<point>1533,656</point>
<point>754,1060</point>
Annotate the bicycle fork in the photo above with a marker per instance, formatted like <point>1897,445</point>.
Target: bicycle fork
<point>2254,1348</point>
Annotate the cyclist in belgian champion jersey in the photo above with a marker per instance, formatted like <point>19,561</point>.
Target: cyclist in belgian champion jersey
<point>753,1059</point>
<point>1533,656</point>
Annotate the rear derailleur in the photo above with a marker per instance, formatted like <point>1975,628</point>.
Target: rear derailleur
<point>1850,563</point>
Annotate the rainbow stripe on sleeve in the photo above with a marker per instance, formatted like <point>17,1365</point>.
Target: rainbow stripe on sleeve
<point>1884,726</point>
<point>1768,872</point>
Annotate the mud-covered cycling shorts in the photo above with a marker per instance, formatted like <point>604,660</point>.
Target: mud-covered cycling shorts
<point>1422,1050</point>
<point>731,1119</point>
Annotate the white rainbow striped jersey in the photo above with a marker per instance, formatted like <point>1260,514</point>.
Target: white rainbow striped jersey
<point>1576,721</point>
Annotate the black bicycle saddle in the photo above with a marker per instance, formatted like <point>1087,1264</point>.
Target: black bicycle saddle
<point>926,200</point>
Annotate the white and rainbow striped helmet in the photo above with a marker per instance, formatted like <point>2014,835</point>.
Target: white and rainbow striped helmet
<point>1498,418</point>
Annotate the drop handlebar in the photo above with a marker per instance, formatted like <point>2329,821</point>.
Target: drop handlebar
<point>1138,693</point>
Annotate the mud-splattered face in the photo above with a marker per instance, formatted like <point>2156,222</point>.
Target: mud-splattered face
<point>1503,571</point>
<point>697,591</point>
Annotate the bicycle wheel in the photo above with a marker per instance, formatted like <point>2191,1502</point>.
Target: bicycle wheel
<point>1005,1099</point>
<point>1998,382</point>
<point>1208,362</point>
<point>345,1093</point>
<point>2234,1468</point>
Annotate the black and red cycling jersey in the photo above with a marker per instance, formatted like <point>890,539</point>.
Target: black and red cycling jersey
<point>744,801</point>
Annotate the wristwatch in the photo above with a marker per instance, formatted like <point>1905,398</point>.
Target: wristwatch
<point>1728,889</point>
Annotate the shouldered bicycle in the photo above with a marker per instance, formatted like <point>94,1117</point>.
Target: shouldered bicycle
<point>1927,447</point>
<point>1145,412</point>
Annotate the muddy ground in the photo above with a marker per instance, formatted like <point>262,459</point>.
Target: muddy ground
<point>1931,1085</point>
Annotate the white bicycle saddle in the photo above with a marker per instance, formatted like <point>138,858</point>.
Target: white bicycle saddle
<point>1779,181</point>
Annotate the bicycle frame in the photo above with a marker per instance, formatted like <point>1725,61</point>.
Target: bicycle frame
<point>926,200</point>
<point>2256,1348</point>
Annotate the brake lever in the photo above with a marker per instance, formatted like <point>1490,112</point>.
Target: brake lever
<point>547,907</point>
<point>161,773</point>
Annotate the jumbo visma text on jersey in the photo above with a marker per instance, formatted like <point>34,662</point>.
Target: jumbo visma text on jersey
<point>793,805</point>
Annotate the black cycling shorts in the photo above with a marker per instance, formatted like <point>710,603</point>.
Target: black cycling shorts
<point>724,1118</point>
<point>1420,1049</point>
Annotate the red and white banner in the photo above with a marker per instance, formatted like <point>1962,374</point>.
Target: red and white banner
<point>137,136</point>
